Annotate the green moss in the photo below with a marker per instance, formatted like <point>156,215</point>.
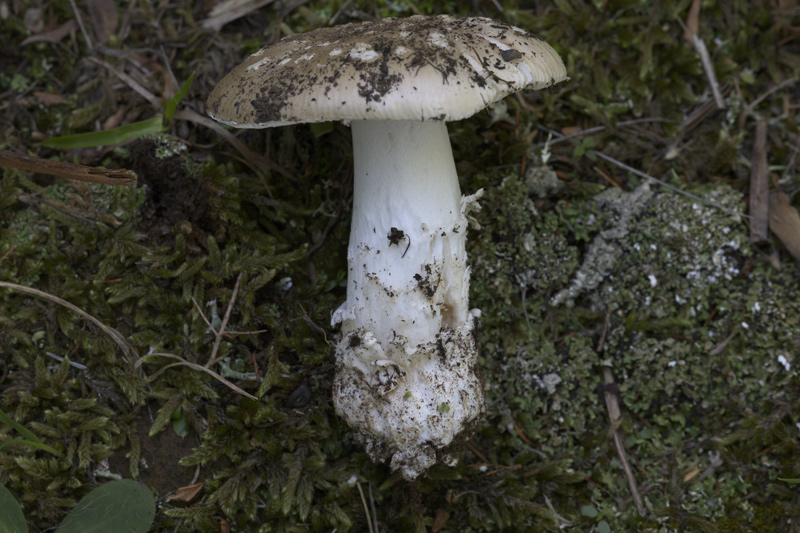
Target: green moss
<point>699,333</point>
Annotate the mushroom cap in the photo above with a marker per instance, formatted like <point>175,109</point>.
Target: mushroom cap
<point>415,68</point>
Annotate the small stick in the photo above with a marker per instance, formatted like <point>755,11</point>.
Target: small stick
<point>137,87</point>
<point>366,508</point>
<point>667,185</point>
<point>690,30</point>
<point>127,348</point>
<point>64,169</point>
<point>228,311</point>
<point>372,506</point>
<point>78,17</point>
<point>71,363</point>
<point>615,416</point>
<point>708,67</point>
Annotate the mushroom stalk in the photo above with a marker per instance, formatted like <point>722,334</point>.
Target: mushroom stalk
<point>406,377</point>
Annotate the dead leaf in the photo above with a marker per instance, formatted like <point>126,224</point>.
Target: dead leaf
<point>53,36</point>
<point>759,186</point>
<point>691,474</point>
<point>229,10</point>
<point>693,21</point>
<point>64,169</point>
<point>49,99</point>
<point>224,526</point>
<point>440,519</point>
<point>186,494</point>
<point>784,221</point>
<point>105,18</point>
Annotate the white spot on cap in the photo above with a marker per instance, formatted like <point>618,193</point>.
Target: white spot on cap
<point>258,64</point>
<point>498,44</point>
<point>335,52</point>
<point>438,39</point>
<point>364,52</point>
<point>401,51</point>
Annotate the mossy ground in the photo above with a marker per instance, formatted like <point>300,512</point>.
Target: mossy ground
<point>699,328</point>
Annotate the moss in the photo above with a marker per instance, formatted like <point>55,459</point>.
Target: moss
<point>699,333</point>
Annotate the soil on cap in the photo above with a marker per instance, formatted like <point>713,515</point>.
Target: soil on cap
<point>270,85</point>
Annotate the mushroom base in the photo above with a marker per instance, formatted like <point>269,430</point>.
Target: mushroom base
<point>412,411</point>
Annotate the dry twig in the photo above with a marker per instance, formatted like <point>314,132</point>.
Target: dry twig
<point>213,357</point>
<point>690,31</point>
<point>64,169</point>
<point>615,418</point>
<point>708,67</point>
<point>116,336</point>
<point>366,508</point>
<point>195,366</point>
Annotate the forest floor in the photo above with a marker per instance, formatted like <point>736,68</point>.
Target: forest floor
<point>640,330</point>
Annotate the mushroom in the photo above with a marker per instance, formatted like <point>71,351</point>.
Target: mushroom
<point>407,363</point>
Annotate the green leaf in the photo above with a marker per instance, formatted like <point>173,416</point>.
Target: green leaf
<point>112,136</point>
<point>793,480</point>
<point>30,438</point>
<point>443,408</point>
<point>34,444</point>
<point>603,527</point>
<point>179,423</point>
<point>11,519</point>
<point>172,103</point>
<point>125,505</point>
<point>321,128</point>
<point>22,430</point>
<point>588,510</point>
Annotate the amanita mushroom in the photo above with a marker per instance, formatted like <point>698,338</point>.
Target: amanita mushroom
<point>406,365</point>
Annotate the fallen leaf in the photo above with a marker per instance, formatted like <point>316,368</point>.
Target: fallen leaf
<point>693,21</point>
<point>759,186</point>
<point>186,494</point>
<point>53,36</point>
<point>105,18</point>
<point>229,10</point>
<point>691,474</point>
<point>49,99</point>
<point>440,519</point>
<point>224,526</point>
<point>784,221</point>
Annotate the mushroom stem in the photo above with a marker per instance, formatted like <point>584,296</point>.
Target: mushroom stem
<point>408,235</point>
<point>405,367</point>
